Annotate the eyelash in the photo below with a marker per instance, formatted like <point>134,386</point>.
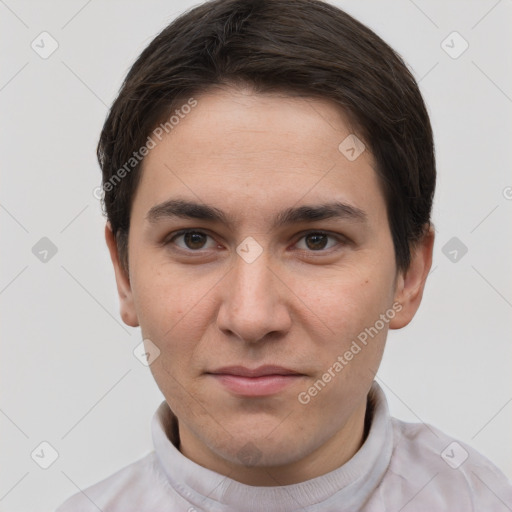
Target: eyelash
<point>340,239</point>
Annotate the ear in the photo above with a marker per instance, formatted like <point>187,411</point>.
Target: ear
<point>127,306</point>
<point>411,283</point>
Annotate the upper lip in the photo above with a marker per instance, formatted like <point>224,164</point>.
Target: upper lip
<point>260,371</point>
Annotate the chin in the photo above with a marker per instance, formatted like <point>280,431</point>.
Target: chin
<point>259,451</point>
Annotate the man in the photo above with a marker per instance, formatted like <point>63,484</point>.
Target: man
<point>269,170</point>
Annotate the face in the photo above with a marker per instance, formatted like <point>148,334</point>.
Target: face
<point>261,265</point>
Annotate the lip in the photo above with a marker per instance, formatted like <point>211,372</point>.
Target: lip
<point>262,381</point>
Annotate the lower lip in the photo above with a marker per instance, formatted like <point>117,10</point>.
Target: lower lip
<point>256,386</point>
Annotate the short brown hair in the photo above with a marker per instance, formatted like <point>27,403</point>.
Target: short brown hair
<point>304,47</point>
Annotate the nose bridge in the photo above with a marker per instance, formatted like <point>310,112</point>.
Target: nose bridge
<point>251,281</point>
<point>252,305</point>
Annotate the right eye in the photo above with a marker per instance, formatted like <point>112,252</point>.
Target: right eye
<point>191,240</point>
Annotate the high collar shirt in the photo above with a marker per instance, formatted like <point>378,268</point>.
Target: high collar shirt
<point>400,467</point>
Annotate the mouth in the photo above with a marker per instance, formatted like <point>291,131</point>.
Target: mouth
<point>262,381</point>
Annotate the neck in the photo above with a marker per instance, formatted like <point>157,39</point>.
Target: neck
<point>332,454</point>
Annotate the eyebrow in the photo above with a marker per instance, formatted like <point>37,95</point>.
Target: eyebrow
<point>302,214</point>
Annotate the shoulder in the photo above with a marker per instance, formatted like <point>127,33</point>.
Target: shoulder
<point>433,468</point>
<point>129,487</point>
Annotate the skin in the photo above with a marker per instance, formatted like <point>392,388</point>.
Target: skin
<point>299,305</point>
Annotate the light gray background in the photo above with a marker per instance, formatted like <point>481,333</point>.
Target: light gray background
<point>68,374</point>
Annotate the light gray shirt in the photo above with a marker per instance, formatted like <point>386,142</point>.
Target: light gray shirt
<point>406,467</point>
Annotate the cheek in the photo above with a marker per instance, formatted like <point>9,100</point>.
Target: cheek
<point>174,307</point>
<point>347,301</point>
<point>164,294</point>
<point>173,314</point>
<point>352,346</point>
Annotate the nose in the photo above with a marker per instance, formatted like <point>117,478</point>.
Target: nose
<point>255,302</point>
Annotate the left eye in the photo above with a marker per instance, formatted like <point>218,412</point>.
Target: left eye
<point>316,241</point>
<point>194,240</point>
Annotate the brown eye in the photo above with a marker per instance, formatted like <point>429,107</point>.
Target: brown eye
<point>317,241</point>
<point>192,240</point>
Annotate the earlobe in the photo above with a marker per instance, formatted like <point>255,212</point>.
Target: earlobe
<point>124,291</point>
<point>411,283</point>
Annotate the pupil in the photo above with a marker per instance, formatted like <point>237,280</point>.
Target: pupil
<point>194,240</point>
<point>319,241</point>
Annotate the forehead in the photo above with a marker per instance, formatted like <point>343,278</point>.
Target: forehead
<point>263,151</point>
